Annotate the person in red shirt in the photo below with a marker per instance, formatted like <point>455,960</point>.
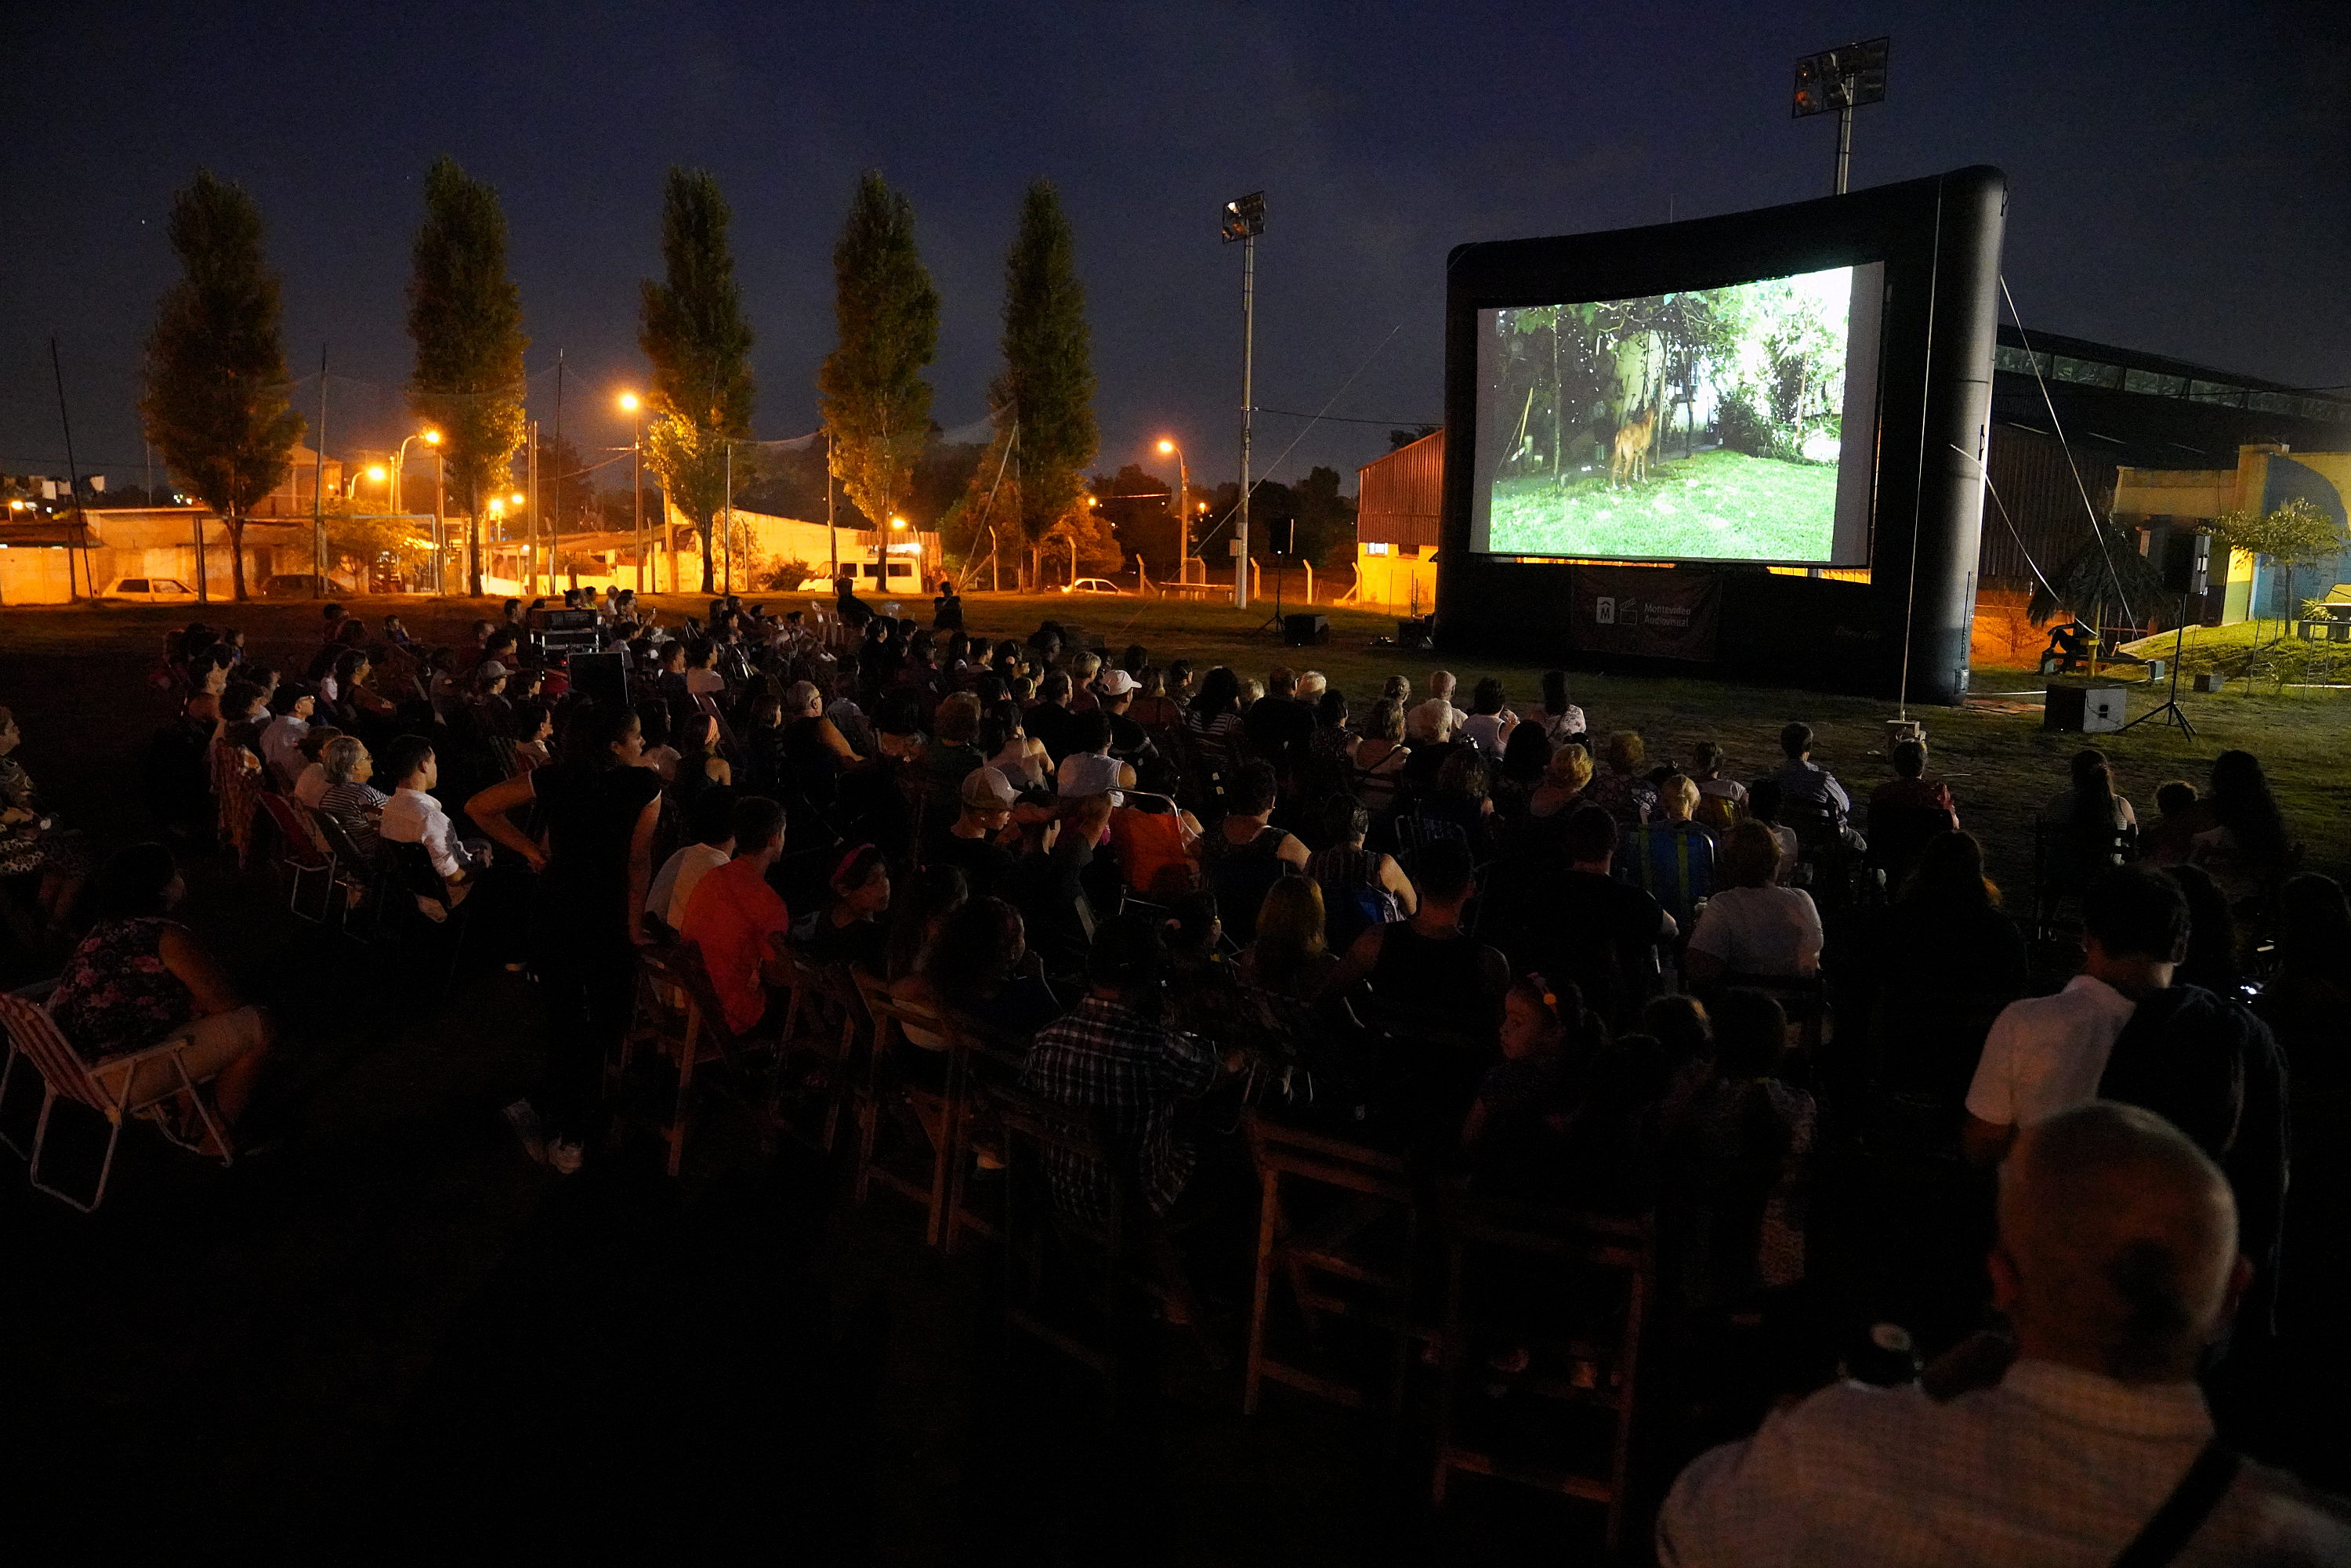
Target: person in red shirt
<point>738,921</point>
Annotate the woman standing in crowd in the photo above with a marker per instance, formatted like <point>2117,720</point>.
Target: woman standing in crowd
<point>600,805</point>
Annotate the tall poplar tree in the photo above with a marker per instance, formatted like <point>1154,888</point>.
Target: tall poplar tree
<point>1047,388</point>
<point>216,402</point>
<point>691,327</point>
<point>877,406</point>
<point>464,315</point>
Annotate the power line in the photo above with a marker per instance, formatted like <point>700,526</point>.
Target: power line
<point>1345,419</point>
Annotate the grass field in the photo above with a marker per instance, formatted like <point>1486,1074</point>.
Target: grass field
<point>1718,505</point>
<point>76,677</point>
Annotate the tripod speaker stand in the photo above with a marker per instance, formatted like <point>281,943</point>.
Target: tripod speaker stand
<point>2170,714</point>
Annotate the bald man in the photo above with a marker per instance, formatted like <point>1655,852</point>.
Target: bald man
<point>2117,1266</point>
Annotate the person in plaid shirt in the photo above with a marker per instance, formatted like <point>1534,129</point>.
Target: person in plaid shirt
<point>1117,1056</point>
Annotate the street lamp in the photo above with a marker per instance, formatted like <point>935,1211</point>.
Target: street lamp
<point>440,473</point>
<point>630,406</point>
<point>1168,445</point>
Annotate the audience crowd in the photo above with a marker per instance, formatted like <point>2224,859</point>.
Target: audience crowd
<point>1526,953</point>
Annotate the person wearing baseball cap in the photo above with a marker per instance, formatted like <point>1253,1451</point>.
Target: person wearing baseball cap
<point>1129,741</point>
<point>971,844</point>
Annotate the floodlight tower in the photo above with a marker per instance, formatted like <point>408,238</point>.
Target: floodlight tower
<point>1842,78</point>
<point>1244,220</point>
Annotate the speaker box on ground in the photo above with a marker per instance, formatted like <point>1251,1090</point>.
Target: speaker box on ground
<point>1414,633</point>
<point>1299,630</point>
<point>2089,709</point>
<point>602,676</point>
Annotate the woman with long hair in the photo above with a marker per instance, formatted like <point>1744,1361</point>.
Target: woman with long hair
<point>1560,719</point>
<point>1381,757</point>
<point>1290,952</point>
<point>1943,962</point>
<point>1214,718</point>
<point>2096,826</point>
<point>600,805</point>
<point>2246,849</point>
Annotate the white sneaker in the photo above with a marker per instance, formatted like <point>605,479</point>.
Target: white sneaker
<point>523,1117</point>
<point>564,1156</point>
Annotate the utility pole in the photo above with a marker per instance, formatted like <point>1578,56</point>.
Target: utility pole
<point>832,541</point>
<point>1244,220</point>
<point>557,528</point>
<point>531,545</point>
<point>728,544</point>
<point>440,523</point>
<point>318,489</point>
<point>73,473</point>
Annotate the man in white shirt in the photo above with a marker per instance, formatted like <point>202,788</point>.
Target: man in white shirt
<point>413,817</point>
<point>2116,1267</point>
<point>2046,1054</point>
<point>713,826</point>
<point>281,743</point>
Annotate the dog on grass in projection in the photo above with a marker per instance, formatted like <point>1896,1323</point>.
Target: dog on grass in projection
<point>1628,464</point>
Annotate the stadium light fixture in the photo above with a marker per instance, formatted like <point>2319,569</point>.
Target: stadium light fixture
<point>1841,79</point>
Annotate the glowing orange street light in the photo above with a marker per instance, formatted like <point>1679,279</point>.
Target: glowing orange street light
<point>1170,448</point>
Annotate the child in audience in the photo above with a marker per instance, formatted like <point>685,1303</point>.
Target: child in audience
<point>2184,816</point>
<point>1738,1154</point>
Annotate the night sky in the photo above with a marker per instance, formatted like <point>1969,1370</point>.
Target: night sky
<point>2181,177</point>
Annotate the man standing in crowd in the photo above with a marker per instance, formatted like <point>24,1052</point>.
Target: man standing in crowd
<point>2083,1439</point>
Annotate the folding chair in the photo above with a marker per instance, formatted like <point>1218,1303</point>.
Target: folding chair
<point>1587,1358</point>
<point>32,1034</point>
<point>705,1039</point>
<point>363,877</point>
<point>1363,1233</point>
<point>890,1091</point>
<point>820,1028</point>
<point>302,850</point>
<point>1118,1261</point>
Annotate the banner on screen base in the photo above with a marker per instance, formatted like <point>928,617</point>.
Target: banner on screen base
<point>1646,613</point>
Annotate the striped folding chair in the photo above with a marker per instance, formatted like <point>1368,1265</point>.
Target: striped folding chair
<point>32,1035</point>
<point>302,850</point>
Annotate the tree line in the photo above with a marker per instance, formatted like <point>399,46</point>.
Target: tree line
<point>216,400</point>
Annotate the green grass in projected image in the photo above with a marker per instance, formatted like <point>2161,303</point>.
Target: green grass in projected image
<point>1719,505</point>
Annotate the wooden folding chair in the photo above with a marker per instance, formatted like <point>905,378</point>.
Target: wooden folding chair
<point>1120,1261</point>
<point>1364,1233</point>
<point>1609,1269</point>
<point>890,1092</point>
<point>975,1058</point>
<point>821,1025</point>
<point>704,1039</point>
<point>32,1035</point>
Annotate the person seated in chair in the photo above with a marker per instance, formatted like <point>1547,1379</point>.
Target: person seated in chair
<point>2079,1437</point>
<point>140,977</point>
<point>712,823</point>
<point>738,923</point>
<point>853,928</point>
<point>413,817</point>
<point>1117,1056</point>
<point>1752,926</point>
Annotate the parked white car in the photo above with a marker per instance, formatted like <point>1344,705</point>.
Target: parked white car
<point>150,590</point>
<point>1093,585</point>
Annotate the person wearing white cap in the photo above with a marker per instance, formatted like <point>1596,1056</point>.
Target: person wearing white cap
<point>971,845</point>
<point>1128,739</point>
